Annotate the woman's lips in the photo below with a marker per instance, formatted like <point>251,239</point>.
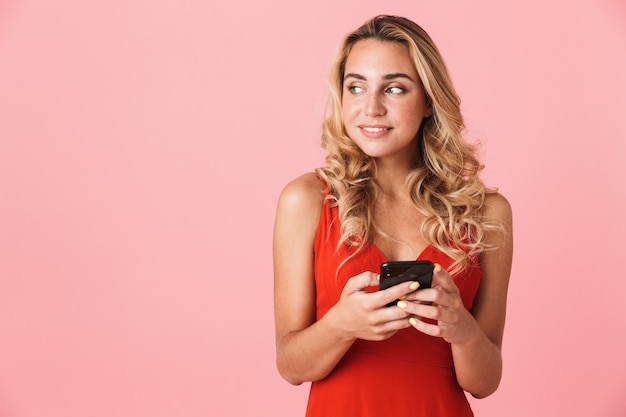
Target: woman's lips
<point>374,132</point>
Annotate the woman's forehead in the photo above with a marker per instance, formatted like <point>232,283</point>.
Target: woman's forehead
<point>375,58</point>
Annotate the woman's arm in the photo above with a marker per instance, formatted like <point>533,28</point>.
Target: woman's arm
<point>478,361</point>
<point>476,337</point>
<point>306,349</point>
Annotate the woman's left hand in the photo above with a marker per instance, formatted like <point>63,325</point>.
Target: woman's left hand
<point>441,304</point>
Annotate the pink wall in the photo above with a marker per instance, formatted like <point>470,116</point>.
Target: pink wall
<point>142,148</point>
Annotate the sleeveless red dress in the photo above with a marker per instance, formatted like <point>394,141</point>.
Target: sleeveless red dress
<point>409,374</point>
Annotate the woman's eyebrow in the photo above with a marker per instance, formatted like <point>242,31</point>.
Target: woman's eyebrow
<point>398,75</point>
<point>385,77</point>
<point>353,75</point>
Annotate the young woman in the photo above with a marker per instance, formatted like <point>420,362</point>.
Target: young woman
<point>400,183</point>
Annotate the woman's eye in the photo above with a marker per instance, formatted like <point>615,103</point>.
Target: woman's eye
<point>355,89</point>
<point>395,90</point>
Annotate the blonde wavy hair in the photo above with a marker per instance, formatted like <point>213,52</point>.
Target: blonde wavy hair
<point>444,183</point>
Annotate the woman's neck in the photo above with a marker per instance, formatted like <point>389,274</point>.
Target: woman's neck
<point>391,177</point>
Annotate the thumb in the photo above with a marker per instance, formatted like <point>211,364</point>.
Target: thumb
<point>443,279</point>
<point>362,281</point>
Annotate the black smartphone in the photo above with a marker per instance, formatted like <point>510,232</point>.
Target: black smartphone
<point>393,273</point>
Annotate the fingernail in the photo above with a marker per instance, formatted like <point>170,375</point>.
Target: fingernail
<point>412,321</point>
<point>414,285</point>
<point>402,297</point>
<point>437,267</point>
<point>402,304</point>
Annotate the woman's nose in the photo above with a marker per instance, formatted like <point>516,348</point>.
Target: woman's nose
<point>374,106</point>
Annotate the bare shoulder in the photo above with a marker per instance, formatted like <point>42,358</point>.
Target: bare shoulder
<point>497,207</point>
<point>299,209</point>
<point>305,186</point>
<point>304,194</point>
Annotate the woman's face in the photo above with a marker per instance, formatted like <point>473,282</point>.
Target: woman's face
<point>383,99</point>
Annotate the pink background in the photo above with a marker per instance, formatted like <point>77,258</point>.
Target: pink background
<point>143,145</point>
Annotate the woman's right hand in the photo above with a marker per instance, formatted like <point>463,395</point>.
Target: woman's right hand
<point>364,315</point>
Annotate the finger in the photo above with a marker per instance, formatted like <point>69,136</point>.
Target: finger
<point>440,298</point>
<point>442,315</point>
<point>427,295</point>
<point>385,321</point>
<point>362,281</point>
<point>442,279</point>
<point>387,329</point>
<point>397,292</point>
<point>430,311</point>
<point>393,314</point>
<point>427,328</point>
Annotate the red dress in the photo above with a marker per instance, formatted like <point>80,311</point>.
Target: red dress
<point>409,374</point>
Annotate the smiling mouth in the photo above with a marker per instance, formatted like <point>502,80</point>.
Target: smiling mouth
<point>375,129</point>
